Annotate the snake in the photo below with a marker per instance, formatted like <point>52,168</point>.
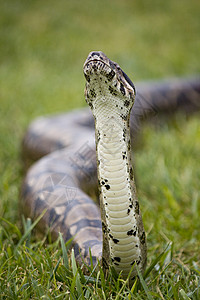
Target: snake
<point>80,160</point>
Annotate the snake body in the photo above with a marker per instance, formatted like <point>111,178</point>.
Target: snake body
<point>60,183</point>
<point>110,94</point>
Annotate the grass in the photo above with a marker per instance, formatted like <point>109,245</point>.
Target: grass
<point>42,50</point>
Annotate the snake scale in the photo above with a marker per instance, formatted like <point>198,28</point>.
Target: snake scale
<point>64,178</point>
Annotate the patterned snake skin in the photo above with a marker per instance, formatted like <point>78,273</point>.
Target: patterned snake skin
<point>64,179</point>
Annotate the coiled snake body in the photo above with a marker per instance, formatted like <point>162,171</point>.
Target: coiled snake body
<point>62,181</point>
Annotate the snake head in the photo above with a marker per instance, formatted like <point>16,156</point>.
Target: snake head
<point>106,82</point>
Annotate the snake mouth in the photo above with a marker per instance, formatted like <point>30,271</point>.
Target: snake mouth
<point>96,61</point>
<point>97,56</point>
<point>98,66</point>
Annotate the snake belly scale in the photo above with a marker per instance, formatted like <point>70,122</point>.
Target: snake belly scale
<point>110,95</point>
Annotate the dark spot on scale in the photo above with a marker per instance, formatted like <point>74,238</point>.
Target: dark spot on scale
<point>98,135</point>
<point>117,258</point>
<point>137,207</point>
<point>115,263</point>
<point>112,91</point>
<point>131,206</point>
<point>126,103</point>
<point>142,238</point>
<point>87,77</point>
<point>133,263</point>
<point>102,182</point>
<point>131,173</point>
<point>107,186</point>
<point>91,105</point>
<point>94,66</point>
<point>129,145</point>
<point>110,75</point>
<point>115,241</point>
<point>122,89</point>
<point>92,92</point>
<point>124,117</point>
<point>131,232</point>
<point>128,211</point>
<point>106,180</point>
<point>104,227</point>
<point>123,156</point>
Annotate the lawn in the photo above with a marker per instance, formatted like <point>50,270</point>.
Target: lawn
<point>43,46</point>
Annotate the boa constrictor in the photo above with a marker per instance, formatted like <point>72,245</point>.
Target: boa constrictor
<point>64,181</point>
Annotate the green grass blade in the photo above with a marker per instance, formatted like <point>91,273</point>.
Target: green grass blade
<point>91,261</point>
<point>13,226</point>
<point>64,251</point>
<point>183,295</point>
<point>26,234</point>
<point>54,270</point>
<point>154,263</point>
<point>133,288</point>
<point>149,297</point>
<point>76,275</point>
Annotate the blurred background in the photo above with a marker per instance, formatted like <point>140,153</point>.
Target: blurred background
<point>43,45</point>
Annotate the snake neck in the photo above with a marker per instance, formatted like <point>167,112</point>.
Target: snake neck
<point>119,206</point>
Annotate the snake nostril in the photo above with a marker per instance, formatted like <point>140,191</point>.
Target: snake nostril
<point>95,53</point>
